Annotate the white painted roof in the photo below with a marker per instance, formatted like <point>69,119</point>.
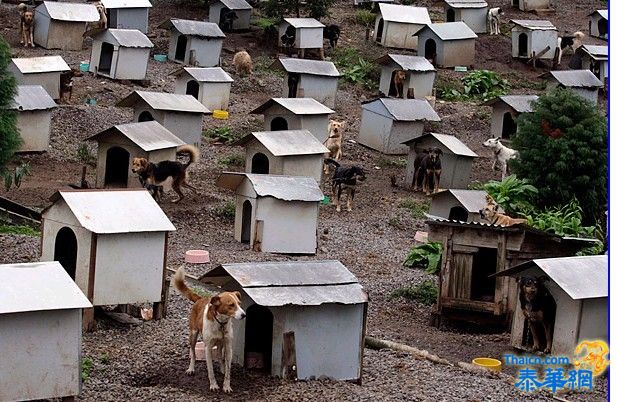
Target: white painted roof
<point>205,74</point>
<point>124,38</point>
<point>602,13</point>
<point>407,109</point>
<point>296,106</point>
<point>236,4</point>
<point>287,142</point>
<point>306,66</point>
<point>520,103</point>
<point>467,3</point>
<point>165,101</point>
<point>38,286</point>
<point>286,188</point>
<point>577,78</point>
<point>126,3</point>
<point>194,28</point>
<point>32,97</point>
<point>535,24</point>
<point>405,14</point>
<point>42,64</point>
<point>148,135</point>
<point>450,30</point>
<point>597,52</point>
<point>73,12</point>
<point>406,62</point>
<point>449,141</point>
<point>471,200</point>
<point>304,22</point>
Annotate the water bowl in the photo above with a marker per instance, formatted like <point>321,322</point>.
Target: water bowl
<point>488,363</point>
<point>197,257</point>
<point>160,57</point>
<point>84,66</point>
<point>220,114</point>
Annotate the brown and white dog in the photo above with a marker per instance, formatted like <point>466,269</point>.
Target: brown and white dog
<point>212,318</point>
<point>489,213</point>
<point>26,25</point>
<point>334,142</point>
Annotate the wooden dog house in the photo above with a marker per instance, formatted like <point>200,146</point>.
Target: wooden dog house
<point>458,205</point>
<point>308,32</point>
<point>269,208</point>
<point>472,12</point>
<point>531,5</point>
<point>127,14</point>
<point>40,316</point>
<point>598,24</point>
<point>293,311</point>
<point>396,25</point>
<point>195,43</point>
<point>448,44</point>
<point>33,106</point>
<point>420,75</point>
<point>315,79</point>
<point>62,25</point>
<point>506,109</point>
<point>582,82</point>
<point>120,54</point>
<point>534,39</point>
<point>44,71</point>
<point>240,19</point>
<point>209,85</point>
<point>118,145</point>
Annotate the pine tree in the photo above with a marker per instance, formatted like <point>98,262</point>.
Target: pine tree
<point>10,139</point>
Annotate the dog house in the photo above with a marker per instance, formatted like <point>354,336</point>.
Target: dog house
<point>595,59</point>
<point>456,160</point>
<point>531,5</point>
<point>209,85</point>
<point>112,243</point>
<point>534,39</point>
<point>598,24</point>
<point>33,106</point>
<point>118,145</point>
<point>231,15</point>
<point>62,25</point>
<point>288,153</point>
<point>458,205</point>
<point>448,44</point>
<point>387,123</point>
<point>472,12</point>
<point>582,82</point>
<point>579,286</point>
<point>120,54</point>
<point>506,110</point>
<point>127,14</point>
<point>315,79</point>
<point>396,25</point>
<point>296,114</point>
<point>269,208</point>
<point>44,71</point>
<point>472,252</point>
<point>419,78</point>
<point>307,32</point>
<point>195,43</point>
<point>294,309</point>
<point>180,114</point>
<point>40,316</point>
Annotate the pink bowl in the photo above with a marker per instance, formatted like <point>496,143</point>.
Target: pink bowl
<point>197,257</point>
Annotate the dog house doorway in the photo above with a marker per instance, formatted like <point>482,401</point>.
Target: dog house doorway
<point>484,264</point>
<point>515,3</point>
<point>392,90</point>
<point>247,217</point>
<point>379,30</point>
<point>450,15</point>
<point>107,55</point>
<point>509,126</point>
<point>458,214</point>
<point>116,167</point>
<point>181,48</point>
<point>430,50</point>
<point>192,88</point>
<point>260,164</point>
<point>65,250</point>
<point>145,116</point>
<point>292,82</point>
<point>278,124</point>
<point>603,27</point>
<point>522,45</point>
<point>258,338</point>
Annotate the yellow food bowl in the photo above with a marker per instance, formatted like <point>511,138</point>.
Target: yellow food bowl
<point>488,363</point>
<point>220,114</point>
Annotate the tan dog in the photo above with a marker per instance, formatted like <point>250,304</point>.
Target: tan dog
<point>102,15</point>
<point>489,213</point>
<point>26,25</point>
<point>335,141</point>
<point>243,63</point>
<point>212,318</point>
<point>399,81</point>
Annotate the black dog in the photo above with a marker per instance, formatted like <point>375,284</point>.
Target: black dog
<point>227,21</point>
<point>332,33</point>
<point>344,178</point>
<point>292,82</point>
<point>539,309</point>
<point>289,39</point>
<point>427,170</point>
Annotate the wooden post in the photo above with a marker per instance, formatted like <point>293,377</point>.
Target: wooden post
<point>259,231</point>
<point>88,316</point>
<point>159,309</point>
<point>288,360</point>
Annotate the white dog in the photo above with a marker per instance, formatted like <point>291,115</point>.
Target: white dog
<point>493,19</point>
<point>501,154</point>
<point>569,42</point>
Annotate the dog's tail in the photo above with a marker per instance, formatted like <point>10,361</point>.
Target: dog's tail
<point>330,161</point>
<point>179,284</point>
<point>193,152</point>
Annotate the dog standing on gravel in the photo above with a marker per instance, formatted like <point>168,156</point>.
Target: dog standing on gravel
<point>493,20</point>
<point>501,154</point>
<point>427,170</point>
<point>243,63</point>
<point>334,142</point>
<point>212,318</point>
<point>345,178</point>
<point>539,309</point>
<point>26,25</point>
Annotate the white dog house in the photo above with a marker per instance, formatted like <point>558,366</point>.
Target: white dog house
<point>40,316</point>
<point>456,160</point>
<point>471,12</point>
<point>595,59</point>
<point>296,114</point>
<point>308,33</point>
<point>598,24</point>
<point>44,71</point>
<point>531,5</point>
<point>505,111</point>
<point>448,44</point>
<point>240,11</point>
<point>581,82</point>
<point>62,25</point>
<point>534,38</point>
<point>180,114</point>
<point>294,310</point>
<point>305,78</point>
<point>288,153</point>
<point>209,85</point>
<point>195,43</point>
<point>458,205</point>
<point>127,14</point>
<point>396,25</point>
<point>120,54</point>
<point>113,243</point>
<point>387,123</point>
<point>579,286</point>
<point>269,208</point>
<point>419,79</point>
<point>118,145</point>
<point>33,106</point>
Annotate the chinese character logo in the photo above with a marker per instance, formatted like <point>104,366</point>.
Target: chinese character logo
<point>592,355</point>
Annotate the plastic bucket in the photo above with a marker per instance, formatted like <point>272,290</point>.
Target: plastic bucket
<point>488,363</point>
<point>220,114</point>
<point>160,57</point>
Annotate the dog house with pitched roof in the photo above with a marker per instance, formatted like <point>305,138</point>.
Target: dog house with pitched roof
<point>579,286</point>
<point>448,44</point>
<point>534,38</point>
<point>118,145</point>
<point>62,25</point>
<point>598,24</point>
<point>458,205</point>
<point>33,106</point>
<point>240,17</point>
<point>396,25</point>
<point>456,160</point>
<point>40,311</point>
<point>120,54</point>
<point>531,5</point>
<point>387,123</point>
<point>419,79</point>
<point>44,71</point>
<point>315,79</point>
<point>209,85</point>
<point>471,12</point>
<point>127,14</point>
<point>581,82</point>
<point>506,109</point>
<point>595,59</point>
<point>288,152</point>
<point>180,114</point>
<point>270,207</point>
<point>296,114</point>
<point>195,43</point>
<point>308,32</point>
<point>113,243</point>
<point>294,309</point>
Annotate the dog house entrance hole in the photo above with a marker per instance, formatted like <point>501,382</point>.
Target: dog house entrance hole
<point>65,250</point>
<point>603,27</point>
<point>192,88</point>
<point>145,116</point>
<point>522,45</point>
<point>258,338</point>
<point>117,167</point>
<point>181,48</point>
<point>484,264</point>
<point>292,82</point>
<point>430,50</point>
<point>278,124</point>
<point>509,126</point>
<point>247,215</point>
<point>450,15</point>
<point>392,90</point>
<point>107,54</point>
<point>260,164</point>
<point>379,30</point>
<point>515,3</point>
<point>458,214</point>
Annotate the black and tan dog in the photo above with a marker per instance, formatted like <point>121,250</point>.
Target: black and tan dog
<point>539,309</point>
<point>345,178</point>
<point>427,170</point>
<point>154,174</point>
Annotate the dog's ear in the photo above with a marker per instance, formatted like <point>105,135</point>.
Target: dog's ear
<point>439,151</point>
<point>215,300</point>
<point>343,125</point>
<point>238,295</point>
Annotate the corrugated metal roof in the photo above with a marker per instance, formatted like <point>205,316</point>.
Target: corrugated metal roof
<point>577,78</point>
<point>38,286</point>
<point>471,200</point>
<point>596,51</point>
<point>449,141</point>
<point>407,63</point>
<point>126,3</point>
<point>32,97</point>
<point>520,103</point>
<point>148,135</point>
<point>408,109</point>
<point>125,38</point>
<point>75,12</point>
<point>603,13</point>
<point>296,106</point>
<point>467,3</point>
<point>286,188</point>
<point>115,211</point>
<point>194,28</point>
<point>287,142</point>
<point>306,66</point>
<point>205,74</point>
<point>535,24</point>
<point>304,22</point>
<point>165,101</point>
<point>42,64</point>
<point>236,4</point>
<point>406,14</point>
<point>450,31</point>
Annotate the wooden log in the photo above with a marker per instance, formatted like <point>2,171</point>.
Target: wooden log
<point>375,343</point>
<point>290,369</point>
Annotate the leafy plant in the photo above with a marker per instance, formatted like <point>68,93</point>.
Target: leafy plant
<point>512,194</point>
<point>382,161</point>
<point>425,256</point>
<point>484,84</point>
<point>222,134</point>
<point>417,209</point>
<point>282,8</point>
<point>19,230</point>
<point>232,160</point>
<point>15,178</point>
<point>227,210</point>
<point>563,221</point>
<point>86,368</point>
<point>354,68</point>
<point>425,293</point>
<point>366,19</point>
<point>85,155</point>
<point>10,140</point>
<point>104,358</point>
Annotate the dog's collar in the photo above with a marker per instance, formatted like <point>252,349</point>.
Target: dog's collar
<point>222,324</point>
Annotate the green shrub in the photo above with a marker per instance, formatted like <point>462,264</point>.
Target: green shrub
<point>425,256</point>
<point>425,293</point>
<point>354,68</point>
<point>227,210</point>
<point>232,160</point>
<point>19,230</point>
<point>85,155</point>
<point>86,368</point>
<point>15,178</point>
<point>480,85</point>
<point>10,140</point>
<point>417,208</point>
<point>222,134</point>
<point>382,161</point>
<point>562,221</point>
<point>512,194</point>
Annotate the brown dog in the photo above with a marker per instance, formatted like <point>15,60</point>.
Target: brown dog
<point>399,81</point>
<point>243,63</point>
<point>26,25</point>
<point>335,141</point>
<point>489,212</point>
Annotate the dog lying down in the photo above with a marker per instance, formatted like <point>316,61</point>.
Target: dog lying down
<point>344,178</point>
<point>489,213</point>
